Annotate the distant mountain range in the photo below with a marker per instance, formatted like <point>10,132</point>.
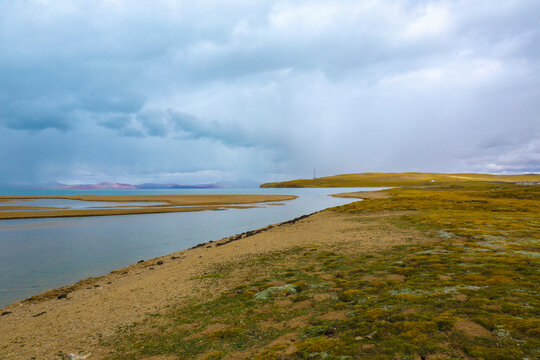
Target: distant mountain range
<point>116,186</point>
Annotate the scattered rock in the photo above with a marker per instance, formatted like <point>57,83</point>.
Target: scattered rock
<point>175,257</point>
<point>39,314</point>
<point>140,261</point>
<point>501,332</point>
<point>151,268</point>
<point>255,232</point>
<point>61,296</point>
<point>5,313</point>
<point>445,234</point>
<point>370,336</point>
<point>78,357</point>
<point>96,286</point>
<point>160,262</point>
<point>289,289</point>
<point>198,246</point>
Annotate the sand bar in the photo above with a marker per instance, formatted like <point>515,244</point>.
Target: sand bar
<point>171,203</point>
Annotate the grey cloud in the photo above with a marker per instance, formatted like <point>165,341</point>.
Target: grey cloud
<point>175,124</point>
<point>513,154</point>
<point>156,123</point>
<point>270,87</point>
<point>35,114</point>
<point>227,134</point>
<point>116,121</point>
<point>43,98</point>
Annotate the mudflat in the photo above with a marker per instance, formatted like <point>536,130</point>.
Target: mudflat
<point>171,203</point>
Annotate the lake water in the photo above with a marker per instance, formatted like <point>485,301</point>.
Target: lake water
<point>39,254</point>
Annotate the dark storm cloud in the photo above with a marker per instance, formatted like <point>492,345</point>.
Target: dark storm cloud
<point>266,89</point>
<point>227,134</point>
<point>176,124</point>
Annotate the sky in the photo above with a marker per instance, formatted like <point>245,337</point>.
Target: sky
<point>203,91</point>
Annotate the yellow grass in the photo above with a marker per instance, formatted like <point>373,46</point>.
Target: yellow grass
<point>399,179</point>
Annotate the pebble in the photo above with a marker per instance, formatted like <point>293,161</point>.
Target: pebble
<point>77,357</point>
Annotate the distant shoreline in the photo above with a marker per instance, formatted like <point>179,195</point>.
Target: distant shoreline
<point>172,203</point>
<point>401,179</point>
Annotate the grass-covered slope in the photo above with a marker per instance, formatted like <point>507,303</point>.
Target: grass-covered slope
<point>469,289</point>
<point>398,179</point>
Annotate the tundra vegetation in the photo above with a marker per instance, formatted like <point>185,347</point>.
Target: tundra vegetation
<point>470,292</point>
<point>400,179</point>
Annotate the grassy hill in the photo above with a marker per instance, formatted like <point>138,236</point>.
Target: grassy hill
<point>399,179</point>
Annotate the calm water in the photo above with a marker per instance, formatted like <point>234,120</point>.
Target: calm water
<point>39,254</point>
